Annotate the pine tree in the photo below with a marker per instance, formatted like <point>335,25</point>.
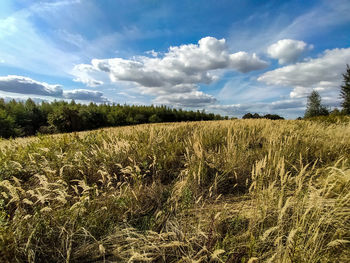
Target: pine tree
<point>314,106</point>
<point>345,91</point>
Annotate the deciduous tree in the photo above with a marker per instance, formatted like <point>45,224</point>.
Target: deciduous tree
<point>314,107</point>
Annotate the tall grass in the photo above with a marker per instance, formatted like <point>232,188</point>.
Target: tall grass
<point>220,191</point>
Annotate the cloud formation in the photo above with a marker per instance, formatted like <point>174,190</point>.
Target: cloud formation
<point>192,99</point>
<point>179,71</point>
<point>87,95</point>
<point>185,64</point>
<point>24,85</point>
<point>288,50</point>
<point>322,73</point>
<point>88,75</point>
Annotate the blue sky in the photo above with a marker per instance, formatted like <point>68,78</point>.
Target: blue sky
<point>227,57</point>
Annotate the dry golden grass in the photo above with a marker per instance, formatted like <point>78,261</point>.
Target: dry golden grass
<point>219,191</point>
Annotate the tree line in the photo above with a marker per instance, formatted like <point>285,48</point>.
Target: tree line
<point>18,118</point>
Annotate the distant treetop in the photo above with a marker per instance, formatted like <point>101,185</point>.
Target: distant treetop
<point>257,116</point>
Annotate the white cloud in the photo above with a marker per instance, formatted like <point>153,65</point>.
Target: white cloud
<point>244,62</point>
<point>24,85</point>
<point>300,92</point>
<point>288,50</point>
<point>88,75</point>
<point>192,99</point>
<point>322,73</point>
<point>179,71</point>
<point>186,64</point>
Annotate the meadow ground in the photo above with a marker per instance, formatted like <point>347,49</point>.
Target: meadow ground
<point>218,191</point>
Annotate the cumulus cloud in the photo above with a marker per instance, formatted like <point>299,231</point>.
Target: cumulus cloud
<point>88,75</point>
<point>24,85</point>
<point>300,92</point>
<point>192,99</point>
<point>244,62</point>
<point>27,86</point>
<point>288,50</point>
<point>322,73</point>
<point>179,71</point>
<point>186,64</point>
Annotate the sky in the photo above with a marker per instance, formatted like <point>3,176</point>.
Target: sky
<point>226,57</point>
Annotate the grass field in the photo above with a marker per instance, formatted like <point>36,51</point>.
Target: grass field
<point>219,191</point>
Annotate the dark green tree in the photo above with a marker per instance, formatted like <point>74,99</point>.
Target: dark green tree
<point>7,125</point>
<point>154,119</point>
<point>345,91</point>
<point>65,119</point>
<point>273,117</point>
<point>314,107</point>
<point>247,116</point>
<point>256,116</point>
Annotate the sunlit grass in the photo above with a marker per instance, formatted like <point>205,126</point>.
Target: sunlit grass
<point>219,191</point>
